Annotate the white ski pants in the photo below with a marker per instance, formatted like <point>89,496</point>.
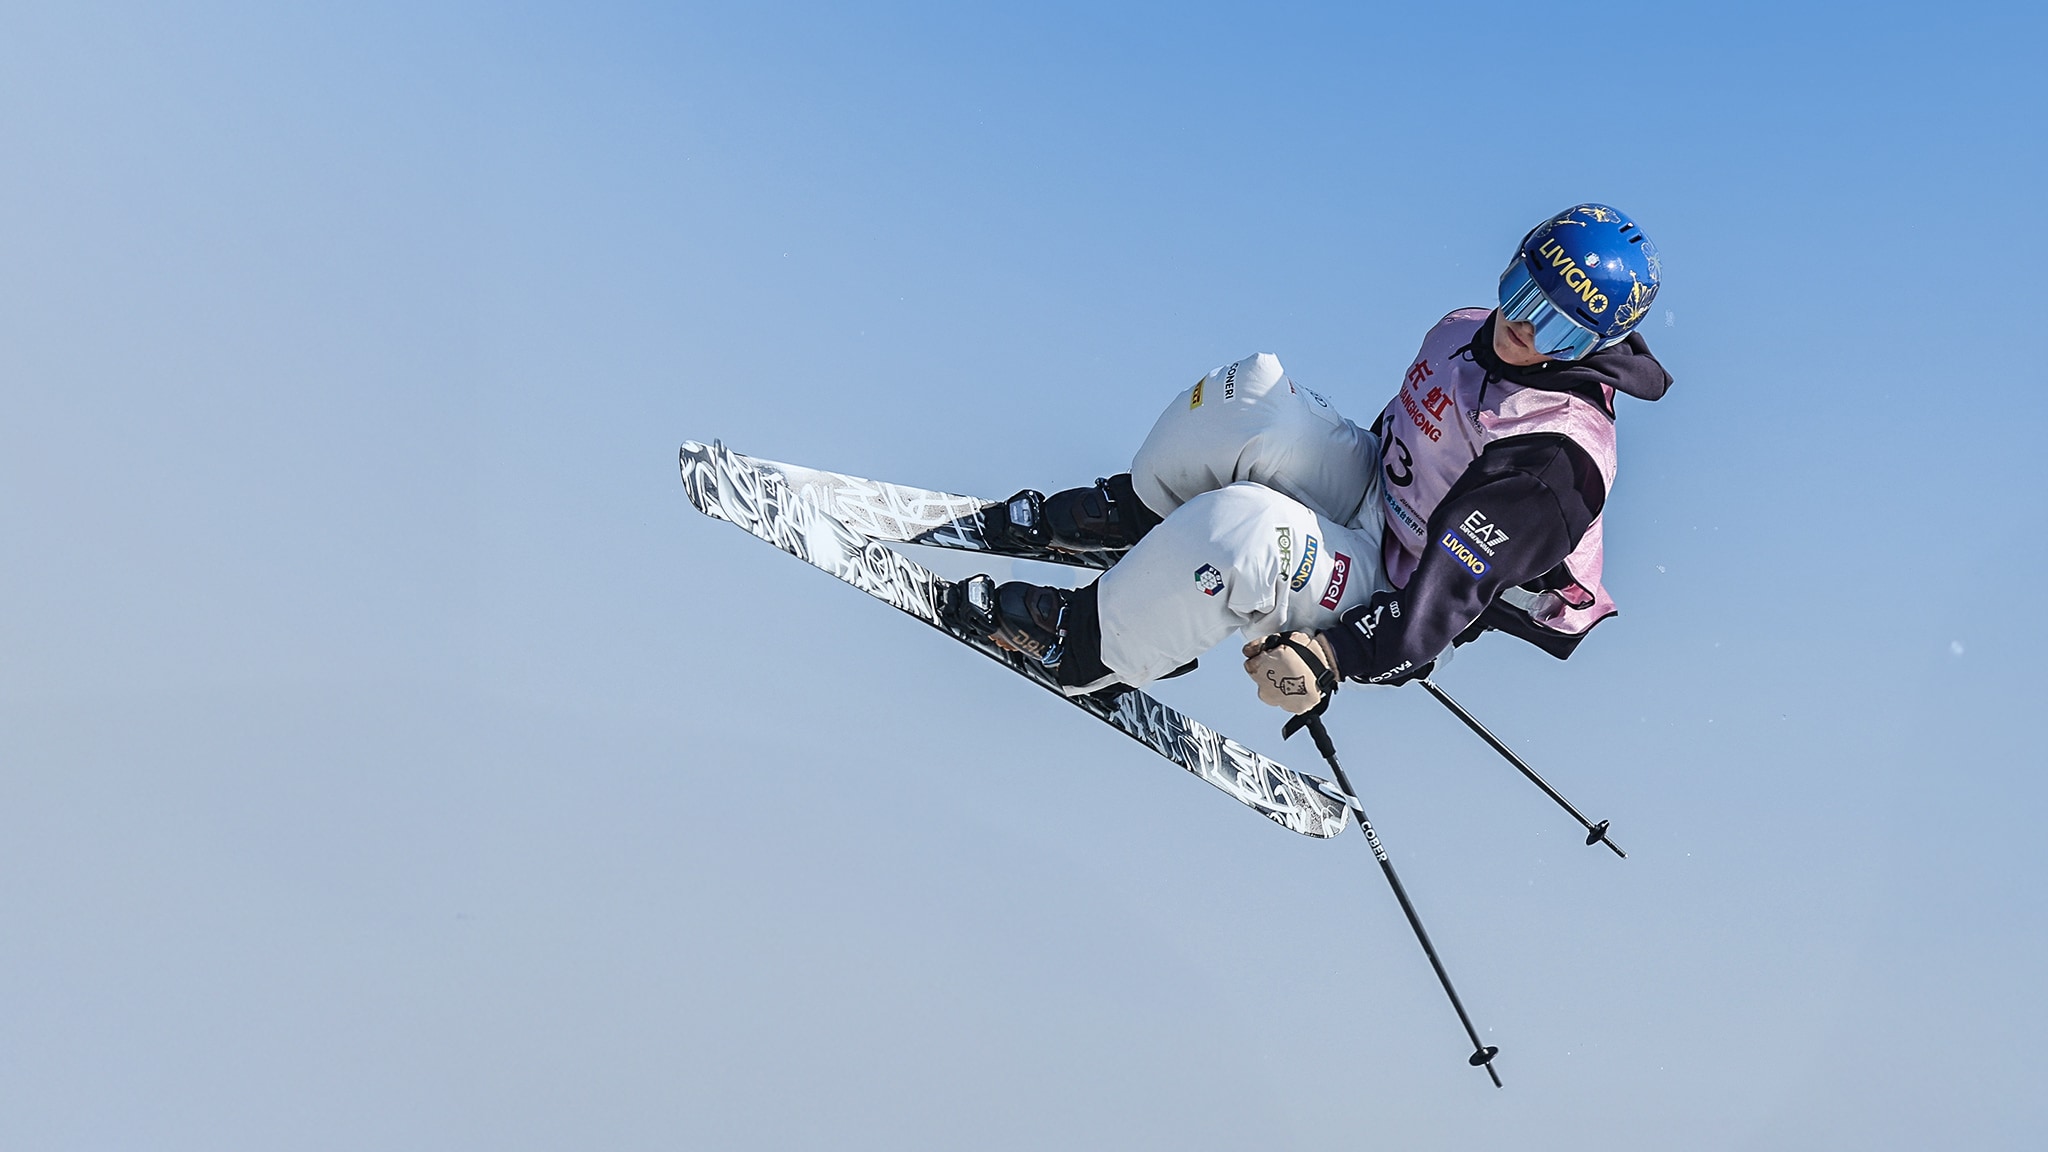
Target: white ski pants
<point>1272,522</point>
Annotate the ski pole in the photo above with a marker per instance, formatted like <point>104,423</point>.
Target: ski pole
<point>1482,1054</point>
<point>1595,833</point>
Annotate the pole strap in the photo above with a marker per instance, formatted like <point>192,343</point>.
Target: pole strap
<point>1326,679</point>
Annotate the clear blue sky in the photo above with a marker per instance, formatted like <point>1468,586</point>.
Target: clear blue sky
<point>391,758</point>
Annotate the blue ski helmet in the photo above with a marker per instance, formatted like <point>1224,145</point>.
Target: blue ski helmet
<point>1584,277</point>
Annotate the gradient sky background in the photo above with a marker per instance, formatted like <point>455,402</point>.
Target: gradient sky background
<point>391,758</point>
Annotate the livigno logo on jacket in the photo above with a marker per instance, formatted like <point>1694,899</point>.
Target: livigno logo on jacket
<point>1308,562</point>
<point>1465,553</point>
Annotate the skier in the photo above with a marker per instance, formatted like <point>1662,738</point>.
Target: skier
<point>1471,504</point>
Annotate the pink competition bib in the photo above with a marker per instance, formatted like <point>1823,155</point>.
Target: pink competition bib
<point>1445,415</point>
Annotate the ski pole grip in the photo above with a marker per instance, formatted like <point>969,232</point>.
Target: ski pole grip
<point>1321,736</point>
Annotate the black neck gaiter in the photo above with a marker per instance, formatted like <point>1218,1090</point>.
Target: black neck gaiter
<point>1627,367</point>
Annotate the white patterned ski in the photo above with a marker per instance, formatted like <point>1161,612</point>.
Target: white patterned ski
<point>900,514</point>
<point>795,510</point>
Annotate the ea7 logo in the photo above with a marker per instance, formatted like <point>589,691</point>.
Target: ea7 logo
<point>1483,532</point>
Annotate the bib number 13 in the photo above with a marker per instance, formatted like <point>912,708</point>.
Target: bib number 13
<point>1400,471</point>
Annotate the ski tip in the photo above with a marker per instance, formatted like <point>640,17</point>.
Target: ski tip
<point>696,452</point>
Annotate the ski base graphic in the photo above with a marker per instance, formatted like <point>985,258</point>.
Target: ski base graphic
<point>900,514</point>
<point>839,524</point>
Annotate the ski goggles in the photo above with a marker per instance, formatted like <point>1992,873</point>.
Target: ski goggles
<point>1558,336</point>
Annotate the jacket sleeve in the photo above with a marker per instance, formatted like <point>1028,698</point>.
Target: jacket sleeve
<point>1516,513</point>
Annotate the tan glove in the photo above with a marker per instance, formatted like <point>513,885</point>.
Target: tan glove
<point>1286,680</point>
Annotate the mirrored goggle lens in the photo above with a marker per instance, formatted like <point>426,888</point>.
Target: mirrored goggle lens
<point>1557,335</point>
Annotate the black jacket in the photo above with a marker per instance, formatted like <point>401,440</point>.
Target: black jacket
<point>1536,494</point>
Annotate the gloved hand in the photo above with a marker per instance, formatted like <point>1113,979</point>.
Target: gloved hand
<point>1285,678</point>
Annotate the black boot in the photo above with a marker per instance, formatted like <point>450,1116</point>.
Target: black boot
<point>1058,627</point>
<point>1106,518</point>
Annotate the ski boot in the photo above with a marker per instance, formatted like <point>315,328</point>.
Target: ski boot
<point>1057,627</point>
<point>1106,518</point>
